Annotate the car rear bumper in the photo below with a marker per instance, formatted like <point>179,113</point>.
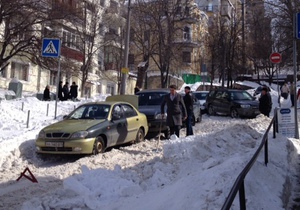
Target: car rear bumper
<point>64,146</point>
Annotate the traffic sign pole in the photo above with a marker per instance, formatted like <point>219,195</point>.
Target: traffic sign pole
<point>51,48</point>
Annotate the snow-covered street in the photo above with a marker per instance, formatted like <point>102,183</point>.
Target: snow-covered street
<point>194,172</point>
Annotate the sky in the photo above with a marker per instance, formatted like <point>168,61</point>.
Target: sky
<point>195,172</point>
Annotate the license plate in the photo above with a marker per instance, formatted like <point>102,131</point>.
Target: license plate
<point>54,144</point>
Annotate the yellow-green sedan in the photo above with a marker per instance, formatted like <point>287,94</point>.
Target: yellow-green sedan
<point>93,127</point>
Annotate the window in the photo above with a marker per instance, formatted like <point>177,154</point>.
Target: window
<point>19,71</point>
<point>129,111</point>
<point>186,57</point>
<point>53,77</point>
<point>186,34</point>
<point>131,59</point>
<point>102,3</point>
<point>71,40</point>
<point>110,89</point>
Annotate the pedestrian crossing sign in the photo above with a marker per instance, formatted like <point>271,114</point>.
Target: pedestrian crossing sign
<point>51,47</point>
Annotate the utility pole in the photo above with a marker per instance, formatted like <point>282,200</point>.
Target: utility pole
<point>243,38</point>
<point>124,73</point>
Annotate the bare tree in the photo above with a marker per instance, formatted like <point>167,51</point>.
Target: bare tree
<point>161,19</point>
<point>23,23</point>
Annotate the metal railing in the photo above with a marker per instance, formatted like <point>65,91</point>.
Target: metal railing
<point>239,185</point>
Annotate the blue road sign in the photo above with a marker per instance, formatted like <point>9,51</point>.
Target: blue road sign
<point>51,47</point>
<point>298,25</point>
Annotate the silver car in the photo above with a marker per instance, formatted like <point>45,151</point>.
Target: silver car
<point>201,96</point>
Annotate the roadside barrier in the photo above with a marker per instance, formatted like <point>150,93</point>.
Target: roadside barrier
<point>239,185</point>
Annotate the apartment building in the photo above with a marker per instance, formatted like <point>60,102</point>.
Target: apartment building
<point>85,34</point>
<point>185,28</point>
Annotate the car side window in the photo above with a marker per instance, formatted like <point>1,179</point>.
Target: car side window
<point>118,112</point>
<point>225,95</point>
<point>129,111</point>
<point>219,94</point>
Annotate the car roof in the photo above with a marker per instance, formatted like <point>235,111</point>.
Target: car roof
<point>105,103</point>
<point>154,90</point>
<point>200,91</point>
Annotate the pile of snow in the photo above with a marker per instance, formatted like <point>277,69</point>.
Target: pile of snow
<point>195,172</point>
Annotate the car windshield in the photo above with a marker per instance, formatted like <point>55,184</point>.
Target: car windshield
<point>240,95</point>
<point>200,96</point>
<point>151,98</point>
<point>91,111</point>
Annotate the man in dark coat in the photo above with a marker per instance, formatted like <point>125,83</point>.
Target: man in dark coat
<point>189,103</point>
<point>265,102</point>
<point>66,91</point>
<point>46,95</point>
<point>74,91</point>
<point>175,110</point>
<point>60,91</point>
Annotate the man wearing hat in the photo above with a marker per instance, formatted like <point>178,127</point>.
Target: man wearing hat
<point>265,102</point>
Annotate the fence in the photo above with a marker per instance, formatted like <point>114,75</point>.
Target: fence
<point>239,185</point>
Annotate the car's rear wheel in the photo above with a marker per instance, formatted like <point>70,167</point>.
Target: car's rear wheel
<point>140,136</point>
<point>234,113</point>
<point>210,110</point>
<point>99,146</point>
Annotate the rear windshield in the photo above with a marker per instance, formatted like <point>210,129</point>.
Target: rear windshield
<point>200,96</point>
<point>240,95</point>
<point>151,98</point>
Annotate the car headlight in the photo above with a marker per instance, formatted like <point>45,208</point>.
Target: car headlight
<point>79,135</point>
<point>245,106</point>
<point>42,134</point>
<point>159,116</point>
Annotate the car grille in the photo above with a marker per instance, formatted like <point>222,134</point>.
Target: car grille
<point>57,149</point>
<point>150,117</point>
<point>57,135</point>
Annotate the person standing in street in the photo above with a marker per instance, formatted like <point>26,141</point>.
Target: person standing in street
<point>176,111</point>
<point>285,91</point>
<point>265,102</point>
<point>60,91</point>
<point>292,91</point>
<point>189,103</point>
<point>66,91</point>
<point>46,95</point>
<point>73,91</point>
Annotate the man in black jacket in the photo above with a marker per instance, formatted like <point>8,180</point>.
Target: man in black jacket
<point>265,102</point>
<point>175,110</point>
<point>189,103</point>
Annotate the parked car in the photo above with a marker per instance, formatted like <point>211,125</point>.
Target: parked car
<point>201,96</point>
<point>236,103</point>
<point>93,127</point>
<point>259,89</point>
<point>149,104</point>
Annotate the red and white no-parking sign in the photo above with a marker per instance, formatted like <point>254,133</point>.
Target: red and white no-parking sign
<point>275,57</point>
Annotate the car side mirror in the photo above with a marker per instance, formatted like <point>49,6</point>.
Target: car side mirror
<point>65,116</point>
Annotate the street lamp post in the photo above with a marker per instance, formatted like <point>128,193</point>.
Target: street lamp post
<point>124,74</point>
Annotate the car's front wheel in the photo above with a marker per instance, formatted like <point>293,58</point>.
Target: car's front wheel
<point>210,110</point>
<point>234,113</point>
<point>140,136</point>
<point>99,146</point>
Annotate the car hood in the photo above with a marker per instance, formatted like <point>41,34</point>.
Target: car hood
<point>150,110</point>
<point>70,126</point>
